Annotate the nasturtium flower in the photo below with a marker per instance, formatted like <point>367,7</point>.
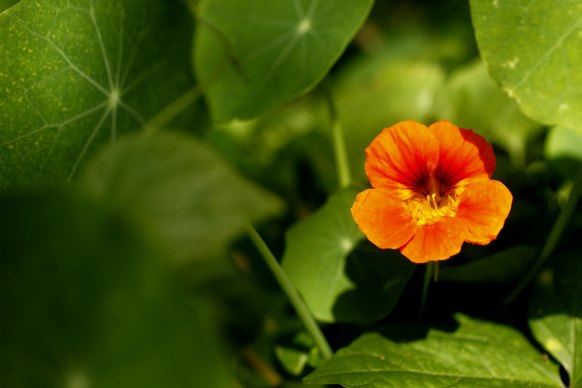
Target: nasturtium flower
<point>431,191</point>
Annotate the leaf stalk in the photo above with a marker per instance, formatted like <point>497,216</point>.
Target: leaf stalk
<point>289,289</point>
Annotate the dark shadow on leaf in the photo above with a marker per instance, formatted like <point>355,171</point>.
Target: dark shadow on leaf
<point>415,331</point>
<point>379,277</point>
<point>558,288</point>
<point>567,166</point>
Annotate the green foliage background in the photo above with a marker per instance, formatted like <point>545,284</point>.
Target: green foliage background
<point>144,143</point>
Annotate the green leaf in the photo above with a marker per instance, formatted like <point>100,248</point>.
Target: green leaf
<point>293,360</point>
<point>563,147</point>
<point>296,354</point>
<point>185,193</point>
<point>339,281</point>
<point>504,266</point>
<point>471,99</point>
<point>86,303</point>
<point>365,93</point>
<point>564,143</point>
<point>556,313</point>
<point>75,74</point>
<point>476,353</point>
<point>5,4</point>
<point>254,55</point>
<point>533,51</point>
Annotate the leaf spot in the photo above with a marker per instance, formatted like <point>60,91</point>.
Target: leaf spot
<point>304,26</point>
<point>553,345</point>
<point>114,97</point>
<point>346,244</point>
<point>511,64</point>
<point>77,379</point>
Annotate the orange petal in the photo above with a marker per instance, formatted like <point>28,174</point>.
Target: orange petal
<point>383,218</point>
<point>483,207</point>
<point>435,242</point>
<point>401,157</point>
<point>463,154</point>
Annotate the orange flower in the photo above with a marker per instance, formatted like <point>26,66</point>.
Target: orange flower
<point>431,191</point>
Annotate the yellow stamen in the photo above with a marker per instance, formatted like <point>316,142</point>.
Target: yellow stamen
<point>432,208</point>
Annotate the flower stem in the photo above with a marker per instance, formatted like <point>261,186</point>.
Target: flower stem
<point>339,143</point>
<point>553,237</point>
<point>294,297</point>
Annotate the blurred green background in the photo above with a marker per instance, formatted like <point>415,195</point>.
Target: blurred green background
<point>124,256</point>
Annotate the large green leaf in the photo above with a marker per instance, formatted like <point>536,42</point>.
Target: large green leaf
<point>339,280</point>
<point>556,313</point>
<point>74,74</point>
<point>533,51</point>
<point>252,55</point>
<point>85,303</point>
<point>471,99</point>
<point>5,4</point>
<point>476,353</point>
<point>181,189</point>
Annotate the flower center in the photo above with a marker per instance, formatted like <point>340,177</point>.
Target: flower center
<point>432,204</point>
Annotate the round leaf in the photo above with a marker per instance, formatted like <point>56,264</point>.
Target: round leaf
<point>253,55</point>
<point>534,52</point>
<point>471,99</point>
<point>181,189</point>
<point>74,74</point>
<point>340,281</point>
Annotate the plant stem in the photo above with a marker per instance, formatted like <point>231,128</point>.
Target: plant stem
<point>294,297</point>
<point>553,237</point>
<point>339,143</point>
<point>172,110</point>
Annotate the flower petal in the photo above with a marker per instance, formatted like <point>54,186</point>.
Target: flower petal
<point>435,242</point>
<point>401,157</point>
<point>463,154</point>
<point>483,207</point>
<point>383,218</point>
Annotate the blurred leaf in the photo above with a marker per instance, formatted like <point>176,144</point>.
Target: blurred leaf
<point>85,302</point>
<point>375,93</point>
<point>504,266</point>
<point>474,354</point>
<point>254,55</point>
<point>533,51</point>
<point>471,99</point>
<point>181,189</point>
<point>564,148</point>
<point>556,313</point>
<point>298,353</point>
<point>271,147</point>
<point>74,74</point>
<point>339,282</point>
<point>564,143</point>
<point>293,360</point>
